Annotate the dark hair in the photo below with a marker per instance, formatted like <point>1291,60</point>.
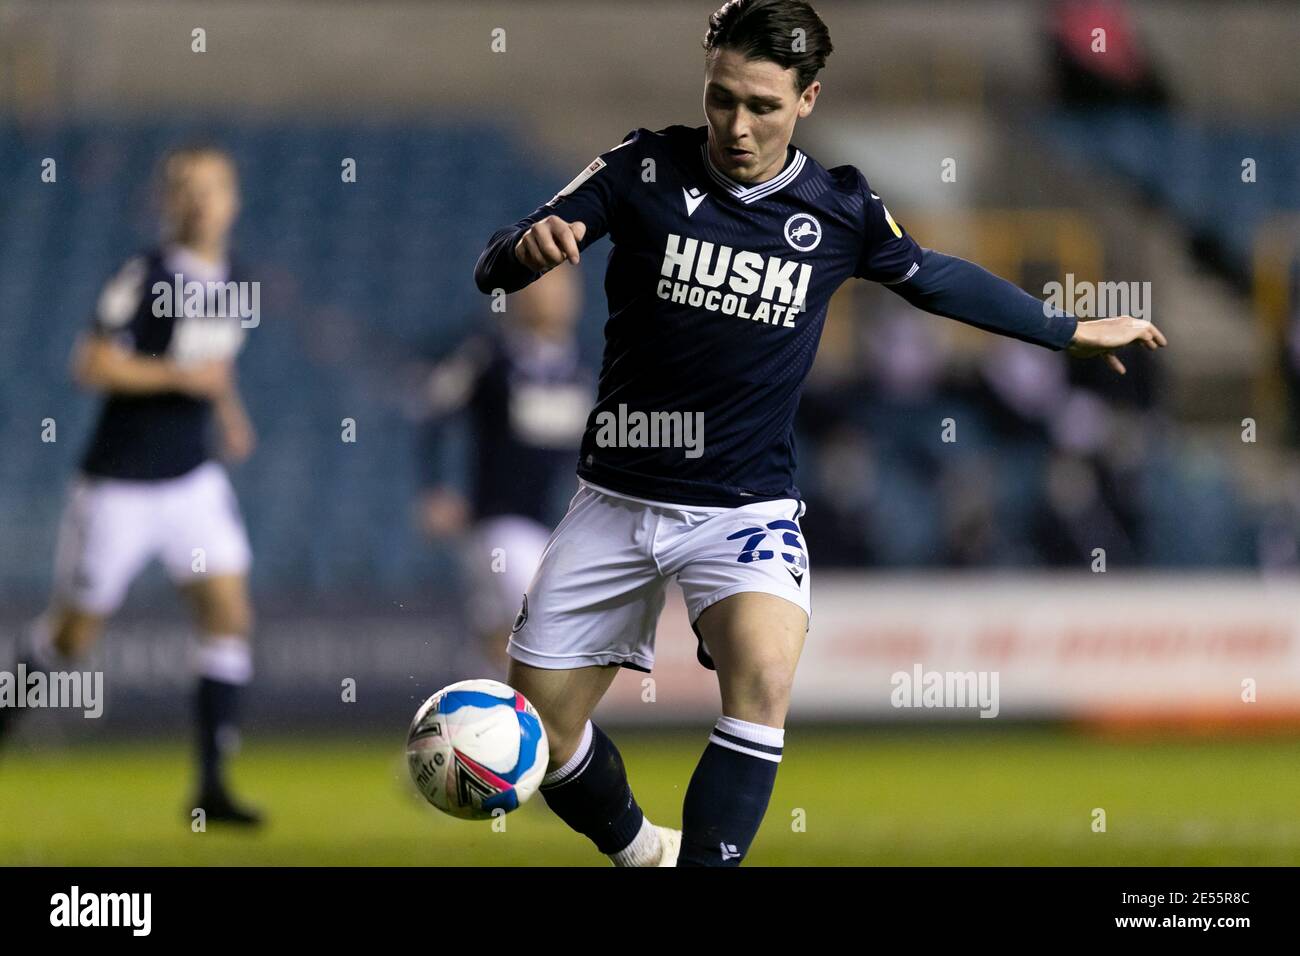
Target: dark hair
<point>767,30</point>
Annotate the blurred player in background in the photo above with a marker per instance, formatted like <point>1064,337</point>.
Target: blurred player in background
<point>148,485</point>
<point>723,262</point>
<point>523,392</point>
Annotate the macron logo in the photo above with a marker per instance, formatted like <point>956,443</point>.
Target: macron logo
<point>729,851</point>
<point>693,199</point>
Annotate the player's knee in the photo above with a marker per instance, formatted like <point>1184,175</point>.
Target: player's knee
<point>760,697</point>
<point>228,621</point>
<point>73,633</point>
<point>239,619</point>
<point>224,610</point>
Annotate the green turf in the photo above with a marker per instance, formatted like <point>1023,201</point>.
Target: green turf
<point>868,797</point>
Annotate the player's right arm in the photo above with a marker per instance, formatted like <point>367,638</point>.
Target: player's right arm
<point>558,231</point>
<point>105,360</point>
<point>102,365</point>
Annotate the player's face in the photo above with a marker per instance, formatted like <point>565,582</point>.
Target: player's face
<point>751,107</point>
<point>202,199</point>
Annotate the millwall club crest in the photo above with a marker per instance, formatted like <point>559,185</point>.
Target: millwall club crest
<point>521,617</point>
<point>803,232</point>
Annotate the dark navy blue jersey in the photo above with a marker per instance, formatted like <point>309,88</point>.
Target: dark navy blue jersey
<point>159,435</point>
<point>717,295</point>
<point>526,401</point>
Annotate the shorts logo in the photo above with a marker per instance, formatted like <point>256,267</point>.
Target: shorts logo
<point>795,559</point>
<point>803,232</point>
<point>521,618</point>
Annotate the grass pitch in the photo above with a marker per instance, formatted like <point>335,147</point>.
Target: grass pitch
<point>862,797</point>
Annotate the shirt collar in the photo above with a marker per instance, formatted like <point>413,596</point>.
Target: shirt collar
<point>753,193</point>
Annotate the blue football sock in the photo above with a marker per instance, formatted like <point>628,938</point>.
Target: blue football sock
<point>729,793</point>
<point>591,794</point>
<point>224,665</point>
<point>216,709</point>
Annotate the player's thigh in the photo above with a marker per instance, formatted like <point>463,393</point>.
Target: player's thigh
<point>597,594</point>
<point>755,640</point>
<point>564,699</point>
<point>202,534</point>
<point>746,579</point>
<point>500,558</point>
<point>106,536</point>
<point>220,604</point>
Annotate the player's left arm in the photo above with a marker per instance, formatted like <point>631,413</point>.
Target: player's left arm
<point>450,388</point>
<point>957,289</point>
<point>235,433</point>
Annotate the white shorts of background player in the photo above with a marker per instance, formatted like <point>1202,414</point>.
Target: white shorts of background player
<point>112,528</point>
<point>500,558</point>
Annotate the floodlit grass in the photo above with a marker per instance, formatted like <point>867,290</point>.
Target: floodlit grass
<point>914,797</point>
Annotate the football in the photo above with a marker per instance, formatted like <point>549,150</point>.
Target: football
<point>477,747</point>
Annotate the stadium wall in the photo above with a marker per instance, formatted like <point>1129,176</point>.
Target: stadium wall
<point>314,57</point>
<point>1142,649</point>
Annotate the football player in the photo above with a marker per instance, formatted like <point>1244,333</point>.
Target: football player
<point>728,241</point>
<point>161,350</point>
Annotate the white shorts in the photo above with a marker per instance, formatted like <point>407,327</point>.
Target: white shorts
<point>601,583</point>
<point>111,529</point>
<point>500,558</point>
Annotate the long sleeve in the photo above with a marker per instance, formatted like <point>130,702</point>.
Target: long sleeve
<point>592,198</point>
<point>451,389</point>
<point>952,287</point>
<point>497,267</point>
<point>958,289</point>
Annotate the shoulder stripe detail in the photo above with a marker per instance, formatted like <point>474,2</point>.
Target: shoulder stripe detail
<point>595,166</point>
<point>910,272</point>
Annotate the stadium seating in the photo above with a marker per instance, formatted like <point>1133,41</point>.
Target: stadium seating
<point>1194,169</point>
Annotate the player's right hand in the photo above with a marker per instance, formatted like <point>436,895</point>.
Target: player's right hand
<point>548,243</point>
<point>207,379</point>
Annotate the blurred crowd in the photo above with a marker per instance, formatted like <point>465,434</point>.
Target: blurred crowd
<point>916,454</point>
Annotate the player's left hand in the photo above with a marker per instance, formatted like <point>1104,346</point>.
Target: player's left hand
<point>1103,336</point>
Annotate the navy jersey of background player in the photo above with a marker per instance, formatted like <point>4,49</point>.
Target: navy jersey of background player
<point>717,294</point>
<point>158,435</point>
<point>526,402</point>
